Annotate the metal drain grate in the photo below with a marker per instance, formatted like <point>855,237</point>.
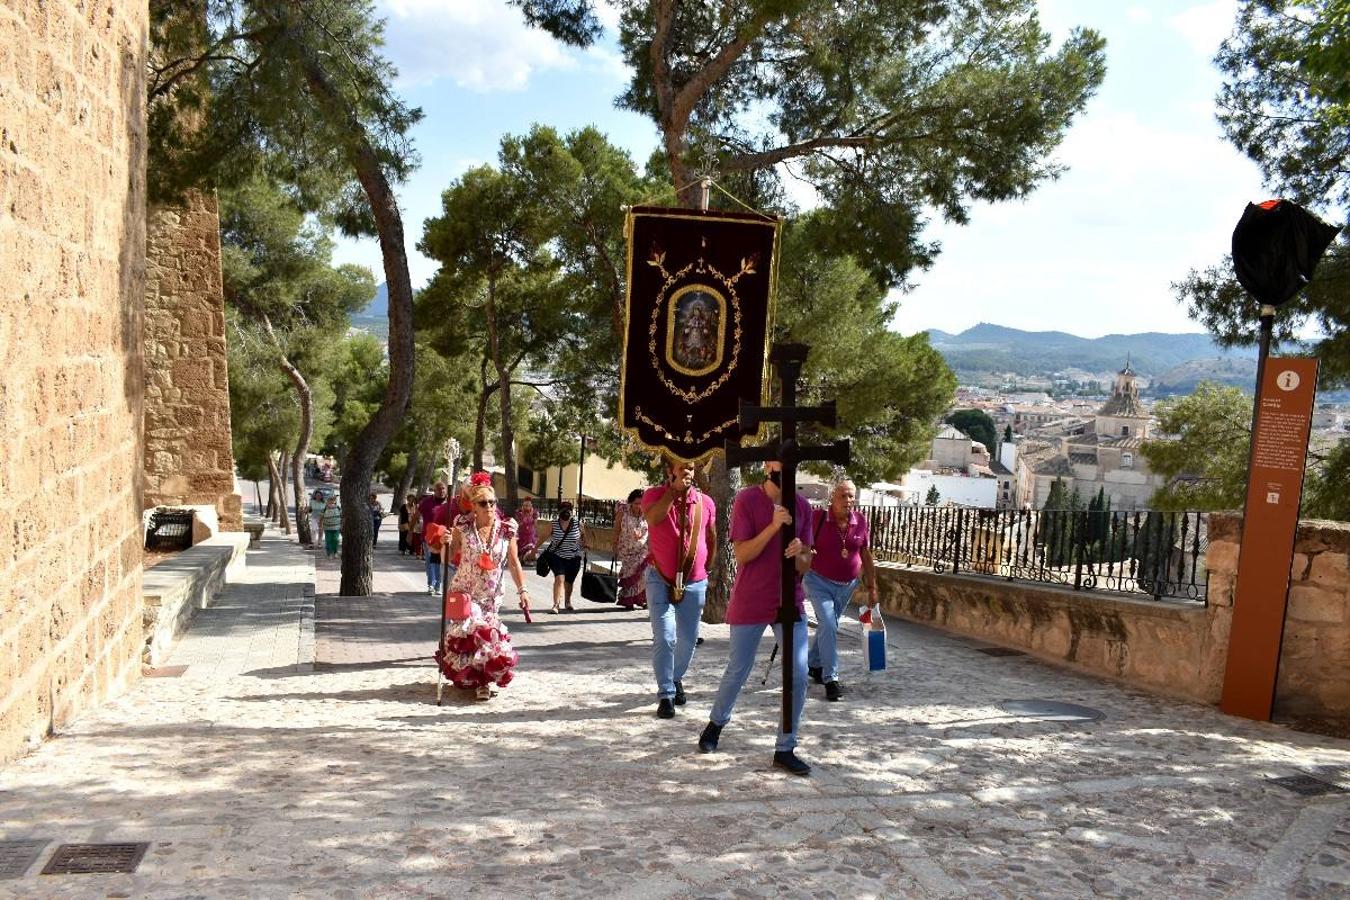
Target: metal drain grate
<point>94,859</point>
<point>999,651</point>
<point>17,857</point>
<point>1051,710</point>
<point>1307,785</point>
<point>163,671</point>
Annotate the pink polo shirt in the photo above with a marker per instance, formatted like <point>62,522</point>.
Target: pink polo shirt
<point>829,562</point>
<point>663,538</point>
<point>756,593</point>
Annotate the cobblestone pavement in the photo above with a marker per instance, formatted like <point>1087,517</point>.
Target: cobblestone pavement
<point>259,773</point>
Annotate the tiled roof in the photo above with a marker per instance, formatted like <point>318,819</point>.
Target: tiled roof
<point>1053,465</point>
<point>1085,459</point>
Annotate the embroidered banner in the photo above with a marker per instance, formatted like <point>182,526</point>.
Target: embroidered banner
<point>699,320</point>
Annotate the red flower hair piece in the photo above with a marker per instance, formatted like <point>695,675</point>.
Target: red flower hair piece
<point>480,478</point>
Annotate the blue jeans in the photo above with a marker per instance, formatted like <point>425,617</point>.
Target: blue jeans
<point>744,645</point>
<point>674,630</point>
<point>433,572</point>
<point>829,599</point>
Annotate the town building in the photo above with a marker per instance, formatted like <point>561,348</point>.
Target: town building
<point>1101,454</point>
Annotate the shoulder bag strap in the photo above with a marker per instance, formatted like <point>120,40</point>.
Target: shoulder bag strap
<point>692,551</point>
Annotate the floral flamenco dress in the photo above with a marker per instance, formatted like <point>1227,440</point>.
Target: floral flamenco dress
<point>633,559</point>
<point>477,651</point>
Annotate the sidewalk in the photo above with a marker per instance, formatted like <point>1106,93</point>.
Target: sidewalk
<point>261,773</point>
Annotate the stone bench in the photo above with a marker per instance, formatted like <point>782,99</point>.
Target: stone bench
<point>254,529</point>
<point>175,589</point>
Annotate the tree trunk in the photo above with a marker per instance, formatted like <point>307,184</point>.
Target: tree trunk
<point>271,494</point>
<point>508,460</point>
<point>285,513</point>
<point>480,425</point>
<point>257,492</point>
<point>406,482</point>
<point>278,493</point>
<point>722,486</point>
<point>428,474</point>
<point>306,400</point>
<point>359,466</point>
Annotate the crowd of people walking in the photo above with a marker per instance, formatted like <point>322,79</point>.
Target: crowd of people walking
<point>664,546</point>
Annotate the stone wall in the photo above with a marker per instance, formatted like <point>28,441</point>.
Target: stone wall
<point>1172,648</point>
<point>188,457</point>
<point>72,239</point>
<point>1314,677</point>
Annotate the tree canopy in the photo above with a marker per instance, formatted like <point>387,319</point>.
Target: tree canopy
<point>888,107</point>
<point>1285,103</point>
<point>977,425</point>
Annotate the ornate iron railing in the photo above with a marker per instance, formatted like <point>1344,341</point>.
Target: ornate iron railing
<point>1158,554</point>
<point>596,513</point>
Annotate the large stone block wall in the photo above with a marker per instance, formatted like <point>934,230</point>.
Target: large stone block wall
<point>1176,649</point>
<point>188,457</point>
<point>72,240</point>
<point>1314,677</point>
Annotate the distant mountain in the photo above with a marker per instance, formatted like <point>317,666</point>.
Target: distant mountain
<point>378,307</point>
<point>373,318</point>
<point>995,348</point>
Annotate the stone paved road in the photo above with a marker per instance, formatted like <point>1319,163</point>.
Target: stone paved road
<point>259,774</point>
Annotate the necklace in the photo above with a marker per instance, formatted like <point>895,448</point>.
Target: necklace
<point>485,560</point>
<point>843,535</point>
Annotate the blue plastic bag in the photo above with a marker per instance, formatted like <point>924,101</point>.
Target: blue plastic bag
<point>873,640</point>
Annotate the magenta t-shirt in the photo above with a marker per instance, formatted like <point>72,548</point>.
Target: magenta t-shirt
<point>828,562</point>
<point>426,508</point>
<point>756,594</point>
<point>663,538</point>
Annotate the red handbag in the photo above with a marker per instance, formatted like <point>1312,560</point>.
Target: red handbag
<point>457,606</point>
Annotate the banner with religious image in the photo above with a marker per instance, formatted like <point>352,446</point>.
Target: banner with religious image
<point>699,321</point>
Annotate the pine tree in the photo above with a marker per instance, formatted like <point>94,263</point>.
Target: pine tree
<point>933,496</point>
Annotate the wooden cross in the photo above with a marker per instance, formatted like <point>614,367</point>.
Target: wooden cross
<point>788,358</point>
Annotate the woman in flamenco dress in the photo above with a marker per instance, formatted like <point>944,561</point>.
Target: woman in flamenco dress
<point>476,653</point>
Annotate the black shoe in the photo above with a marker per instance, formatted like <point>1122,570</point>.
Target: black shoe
<point>816,673</point>
<point>679,693</point>
<point>832,691</point>
<point>786,759</point>
<point>665,709</point>
<point>707,741</point>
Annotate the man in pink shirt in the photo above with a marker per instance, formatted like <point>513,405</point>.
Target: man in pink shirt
<point>681,536</point>
<point>757,519</point>
<point>426,514</point>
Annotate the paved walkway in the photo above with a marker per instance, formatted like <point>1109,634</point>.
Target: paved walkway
<point>259,773</point>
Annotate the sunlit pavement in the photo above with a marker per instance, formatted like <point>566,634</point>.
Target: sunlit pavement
<point>302,753</point>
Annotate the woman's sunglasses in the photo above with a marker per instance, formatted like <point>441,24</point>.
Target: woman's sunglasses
<point>486,503</point>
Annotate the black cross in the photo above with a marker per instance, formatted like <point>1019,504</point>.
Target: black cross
<point>788,358</point>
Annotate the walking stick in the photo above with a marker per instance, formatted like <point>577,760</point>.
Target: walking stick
<point>769,667</point>
<point>440,635</point>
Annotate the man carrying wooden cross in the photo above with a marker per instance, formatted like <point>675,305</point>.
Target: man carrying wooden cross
<point>757,519</point>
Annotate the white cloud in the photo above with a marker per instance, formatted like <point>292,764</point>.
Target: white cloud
<point>1096,251</point>
<point>1205,26</point>
<point>480,45</point>
<point>1139,15</point>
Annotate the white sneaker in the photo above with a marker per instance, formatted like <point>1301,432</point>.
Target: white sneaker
<point>432,591</point>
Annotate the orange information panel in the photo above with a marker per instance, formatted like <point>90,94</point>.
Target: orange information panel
<point>1270,518</point>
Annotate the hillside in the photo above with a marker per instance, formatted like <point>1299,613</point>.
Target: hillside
<point>1160,356</point>
<point>374,317</point>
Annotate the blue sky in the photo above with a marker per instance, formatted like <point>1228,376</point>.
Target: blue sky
<point>1151,189</point>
